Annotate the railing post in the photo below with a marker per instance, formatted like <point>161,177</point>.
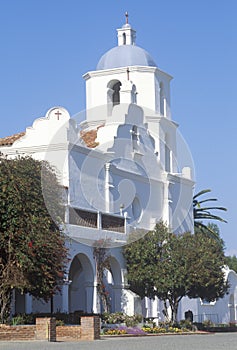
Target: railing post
<point>99,225</point>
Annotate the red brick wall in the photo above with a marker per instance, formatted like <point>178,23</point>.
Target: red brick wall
<point>45,329</point>
<point>90,328</point>
<point>68,333</point>
<point>17,332</point>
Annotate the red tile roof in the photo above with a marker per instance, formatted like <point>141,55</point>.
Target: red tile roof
<point>9,140</point>
<point>90,136</point>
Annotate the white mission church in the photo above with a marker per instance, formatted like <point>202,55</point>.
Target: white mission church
<point>121,172</point>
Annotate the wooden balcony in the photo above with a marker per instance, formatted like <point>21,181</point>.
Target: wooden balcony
<point>97,220</point>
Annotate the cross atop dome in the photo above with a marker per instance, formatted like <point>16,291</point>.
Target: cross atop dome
<point>126,35</point>
<point>126,15</point>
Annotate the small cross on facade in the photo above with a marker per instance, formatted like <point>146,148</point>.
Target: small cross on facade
<point>58,114</point>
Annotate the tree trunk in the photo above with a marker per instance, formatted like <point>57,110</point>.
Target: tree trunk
<point>174,304</point>
<point>165,311</point>
<point>105,305</point>
<point>5,304</point>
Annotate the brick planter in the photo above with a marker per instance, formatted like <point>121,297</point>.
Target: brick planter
<point>68,333</point>
<point>23,332</point>
<point>45,329</point>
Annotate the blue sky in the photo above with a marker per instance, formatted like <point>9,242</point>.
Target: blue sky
<point>47,45</point>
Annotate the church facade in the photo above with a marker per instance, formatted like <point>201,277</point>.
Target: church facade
<point>120,170</point>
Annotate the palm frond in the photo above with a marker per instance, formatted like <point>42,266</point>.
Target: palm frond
<point>212,208</point>
<point>200,193</point>
<point>206,229</point>
<point>205,213</point>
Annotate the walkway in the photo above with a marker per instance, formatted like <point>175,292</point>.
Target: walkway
<point>219,341</point>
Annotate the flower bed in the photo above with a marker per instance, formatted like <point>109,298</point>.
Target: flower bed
<point>160,330</point>
<point>121,330</point>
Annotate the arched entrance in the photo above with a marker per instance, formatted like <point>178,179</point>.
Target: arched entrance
<point>114,280</point>
<point>81,287</point>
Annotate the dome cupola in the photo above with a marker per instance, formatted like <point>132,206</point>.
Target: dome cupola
<point>126,54</point>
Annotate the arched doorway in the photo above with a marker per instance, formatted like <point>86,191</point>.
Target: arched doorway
<point>81,287</point>
<point>114,282</point>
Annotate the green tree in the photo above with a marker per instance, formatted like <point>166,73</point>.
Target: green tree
<point>231,261</point>
<point>201,213</point>
<point>172,266</point>
<point>32,247</point>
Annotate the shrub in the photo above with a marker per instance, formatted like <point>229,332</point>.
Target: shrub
<point>120,317</point>
<point>116,317</point>
<point>186,325</point>
<point>132,321</point>
<point>115,331</point>
<point>208,323</point>
<point>22,319</point>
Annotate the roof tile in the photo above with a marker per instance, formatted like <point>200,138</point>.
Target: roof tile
<point>9,140</point>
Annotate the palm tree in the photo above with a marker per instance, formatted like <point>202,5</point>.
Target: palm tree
<point>204,213</point>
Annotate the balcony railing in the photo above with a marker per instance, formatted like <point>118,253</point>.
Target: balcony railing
<point>82,217</point>
<point>88,218</point>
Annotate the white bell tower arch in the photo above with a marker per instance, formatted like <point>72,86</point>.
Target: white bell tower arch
<point>126,74</point>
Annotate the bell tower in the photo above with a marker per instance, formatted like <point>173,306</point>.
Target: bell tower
<point>126,35</point>
<point>126,74</point>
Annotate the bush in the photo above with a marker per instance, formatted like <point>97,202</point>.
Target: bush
<point>114,331</point>
<point>132,321</point>
<point>120,317</point>
<point>113,318</point>
<point>186,324</point>
<point>22,319</point>
<point>208,323</point>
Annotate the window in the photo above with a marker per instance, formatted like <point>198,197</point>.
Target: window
<point>116,93</point>
<point>124,39</point>
<point>113,94</point>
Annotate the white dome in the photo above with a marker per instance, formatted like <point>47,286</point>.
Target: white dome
<point>125,56</point>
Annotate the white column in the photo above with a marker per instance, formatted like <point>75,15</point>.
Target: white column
<point>98,220</point>
<point>96,303</point>
<point>166,216</point>
<point>28,303</point>
<point>126,92</point>
<point>89,288</point>
<point>65,297</point>
<point>125,222</point>
<point>117,295</point>
<point>171,162</point>
<point>165,107</point>
<point>107,187</point>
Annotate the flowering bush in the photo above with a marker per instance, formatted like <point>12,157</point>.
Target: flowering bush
<point>124,330</point>
<point>115,331</point>
<point>120,317</point>
<point>112,318</point>
<point>158,330</point>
